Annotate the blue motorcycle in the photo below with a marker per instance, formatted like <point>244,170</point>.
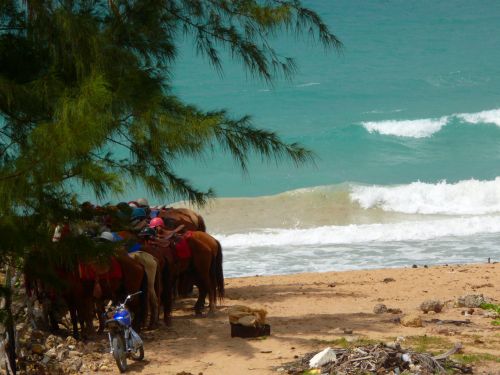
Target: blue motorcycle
<point>123,340</point>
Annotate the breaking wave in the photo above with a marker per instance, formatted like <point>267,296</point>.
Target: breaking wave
<point>407,128</point>
<point>469,197</point>
<point>423,128</point>
<point>352,234</point>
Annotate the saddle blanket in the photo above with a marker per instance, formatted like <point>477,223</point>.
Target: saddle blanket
<point>182,248</point>
<point>90,271</point>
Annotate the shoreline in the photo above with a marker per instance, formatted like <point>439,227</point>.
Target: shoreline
<point>426,266</point>
<point>310,311</point>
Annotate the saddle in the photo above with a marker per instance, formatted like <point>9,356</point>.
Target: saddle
<point>93,270</point>
<point>177,241</point>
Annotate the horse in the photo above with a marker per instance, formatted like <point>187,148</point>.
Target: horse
<point>109,286</point>
<point>199,254</point>
<point>97,281</point>
<point>50,284</point>
<point>173,217</point>
<point>152,270</point>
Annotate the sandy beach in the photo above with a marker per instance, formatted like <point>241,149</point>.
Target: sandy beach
<point>308,312</point>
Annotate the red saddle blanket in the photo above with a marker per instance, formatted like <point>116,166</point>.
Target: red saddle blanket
<point>109,271</point>
<point>182,248</point>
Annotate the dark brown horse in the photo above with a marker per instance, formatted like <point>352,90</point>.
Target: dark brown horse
<point>131,279</point>
<point>173,217</point>
<point>198,254</point>
<point>60,284</point>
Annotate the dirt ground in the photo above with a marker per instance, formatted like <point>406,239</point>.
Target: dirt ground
<point>308,312</point>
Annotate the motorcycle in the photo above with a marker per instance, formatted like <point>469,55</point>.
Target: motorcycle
<point>123,340</point>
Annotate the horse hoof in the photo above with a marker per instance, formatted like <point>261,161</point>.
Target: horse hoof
<point>168,321</point>
<point>211,314</point>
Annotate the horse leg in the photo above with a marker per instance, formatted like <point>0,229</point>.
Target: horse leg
<point>204,287</point>
<point>100,310</point>
<point>167,294</point>
<point>74,320</point>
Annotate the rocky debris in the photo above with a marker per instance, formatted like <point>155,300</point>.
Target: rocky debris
<point>381,309</point>
<point>471,300</point>
<point>378,359</point>
<point>431,305</point>
<point>388,280</point>
<point>42,354</point>
<point>411,320</point>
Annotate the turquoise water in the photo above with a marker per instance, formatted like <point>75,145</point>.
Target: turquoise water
<point>405,123</point>
<point>403,60</point>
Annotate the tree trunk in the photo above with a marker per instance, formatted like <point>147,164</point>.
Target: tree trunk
<point>9,323</point>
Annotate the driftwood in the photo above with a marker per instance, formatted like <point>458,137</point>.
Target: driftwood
<point>382,359</point>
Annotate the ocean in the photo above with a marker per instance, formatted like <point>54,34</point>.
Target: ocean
<point>405,125</point>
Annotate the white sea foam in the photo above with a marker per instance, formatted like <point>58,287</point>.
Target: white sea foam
<point>366,233</point>
<point>308,84</point>
<point>489,117</point>
<point>379,111</point>
<point>468,197</point>
<point>421,128</point>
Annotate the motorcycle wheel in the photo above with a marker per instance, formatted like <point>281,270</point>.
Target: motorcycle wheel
<point>119,352</point>
<point>138,355</point>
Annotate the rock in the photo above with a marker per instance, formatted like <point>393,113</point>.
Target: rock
<point>52,341</point>
<point>71,347</point>
<point>37,348</point>
<point>104,368</point>
<point>388,280</point>
<point>62,354</point>
<point>37,335</point>
<point>431,305</point>
<point>414,266</point>
<point>51,353</point>
<point>348,331</point>
<point>411,320</point>
<point>46,359</point>
<point>470,300</point>
<point>74,365</point>
<point>70,340</point>
<point>380,308</point>
<point>74,354</point>
<point>327,355</point>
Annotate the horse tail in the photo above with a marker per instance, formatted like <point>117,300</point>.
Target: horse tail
<point>143,300</point>
<point>219,275</point>
<point>201,224</point>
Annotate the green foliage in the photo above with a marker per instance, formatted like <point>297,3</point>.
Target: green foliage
<point>495,308</point>
<point>425,344</point>
<point>86,100</point>
<point>475,358</point>
<point>342,342</point>
<point>85,93</point>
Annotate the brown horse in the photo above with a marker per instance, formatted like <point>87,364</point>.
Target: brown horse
<point>132,279</point>
<point>69,288</point>
<point>173,217</point>
<point>200,255</point>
